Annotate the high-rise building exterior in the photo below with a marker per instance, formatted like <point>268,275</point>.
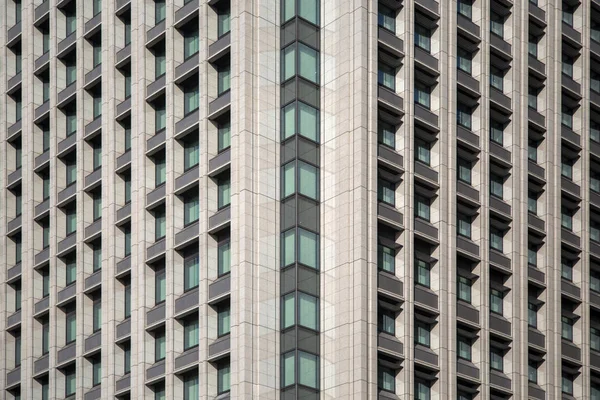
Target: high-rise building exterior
<point>300,199</point>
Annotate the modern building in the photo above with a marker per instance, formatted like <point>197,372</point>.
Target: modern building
<point>294,199</point>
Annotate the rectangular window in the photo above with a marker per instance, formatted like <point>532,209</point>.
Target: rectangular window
<point>595,231</point>
<point>464,348</point>
<point>566,168</point>
<point>532,150</point>
<point>497,78</point>
<point>224,134</point>
<point>160,346</point>
<point>595,339</point>
<point>18,294</point>
<point>71,327</point>
<point>45,42</point>
<point>127,138</point>
<point>386,134</point>
<point>160,11</point>
<point>533,46</point>
<point>224,320</point>
<point>18,204</point>
<point>160,286</point>
<point>308,367</point>
<point>422,333</point>
<point>160,225</point>
<point>71,23</point>
<point>423,151</point>
<point>190,333</point>
<point>45,337</point>
<point>566,328</point>
<point>96,372</point>
<point>496,186</point>
<point>422,390</point>
<point>465,60</point>
<point>288,367</point>
<point>465,8</point>
<point>71,73</point>
<point>464,225</point>
<point>18,251</point>
<point>308,311</point>
<point>191,389</point>
<point>532,202</point>
<point>308,63</point>
<point>224,80</point>
<point>423,274</point>
<point>97,315</point>
<point>567,65</point>
<point>96,55</point>
<point>422,208</point>
<point>464,289</point>
<point>386,259</point>
<point>567,384</point>
<point>532,256</point>
<point>127,32</point>
<point>127,235</point>
<point>191,210</point>
<point>566,219</point>
<point>496,301</point>
<point>463,116</point>
<point>497,240</point>
<point>224,22</point>
<point>191,271</point>
<point>71,271</point>
<point>423,37</point>
<point>70,383</point>
<point>224,193</point>
<point>223,379</point>
<point>497,132</point>
<point>566,267</point>
<point>96,7</point>
<point>387,321</point>
<point>224,258</point>
<point>160,170</point>
<point>191,100</point>
<point>595,82</point>
<point>127,358</point>
<point>160,63</point>
<point>127,303</point>
<point>160,119</point>
<point>422,95</point>
<point>45,282</point>
<point>386,18</point>
<point>97,206</point>
<point>532,96</point>
<point>497,24</point>
<point>45,91</point>
<point>96,257</point>
<point>386,192</point>
<point>567,13</point>
<point>308,248</point>
<point>97,155</point>
<point>45,236</point>
<point>386,76</point>
<point>496,359</point>
<point>595,33</point>
<point>71,122</point>
<point>191,43</point>
<point>595,281</point>
<point>386,379</point>
<point>127,188</point>
<point>288,310</point>
<point>532,315</point>
<point>46,139</point>
<point>464,170</point>
<point>71,221</point>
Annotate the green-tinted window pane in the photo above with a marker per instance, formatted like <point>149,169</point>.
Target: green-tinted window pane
<point>308,180</point>
<point>224,136</point>
<point>464,348</point>
<point>97,316</point>
<point>224,22</point>
<point>386,134</point>
<point>45,42</point>
<point>191,100</point>
<point>190,388</point>
<point>288,121</point>
<point>46,139</point>
<point>423,333</point>
<point>45,283</point>
<point>71,123</point>
<point>97,155</point>
<point>464,289</point>
<point>127,358</point>
<point>159,392</point>
<point>386,259</point>
<point>97,55</point>
<point>308,312</point>
<point>71,26</point>
<point>386,192</point>
<point>70,383</point>
<point>224,379</point>
<point>288,310</point>
<point>191,210</point>
<point>45,338</point>
<point>223,321</point>
<point>289,369</point>
<point>387,321</point>
<point>18,293</point>
<point>308,369</point>
<point>386,18</point>
<point>71,328</point>
<point>423,37</point>
<point>160,11</point>
<point>96,6</point>
<point>288,69</point>
<point>224,193</point>
<point>288,173</point>
<point>386,379</point>
<point>224,258</point>
<point>160,347</point>
<point>308,248</point>
<point>191,273</point>
<point>71,271</point>
<point>190,334</point>
<point>496,301</point>
<point>423,273</point>
<point>127,242</point>
<point>127,184</point>
<point>423,151</point>
<point>308,122</point>
<point>97,204</point>
<point>191,154</point>
<point>224,82</point>
<point>309,10</point>
<point>191,43</point>
<point>160,225</point>
<point>18,204</point>
<point>160,119</point>
<point>160,286</point>
<point>71,221</point>
<point>127,301</point>
<point>71,74</point>
<point>160,171</point>
<point>97,258</point>
<point>127,32</point>
<point>96,373</point>
<point>17,351</point>
<point>160,64</point>
<point>288,248</point>
<point>45,91</point>
<point>308,63</point>
<point>289,10</point>
<point>18,251</point>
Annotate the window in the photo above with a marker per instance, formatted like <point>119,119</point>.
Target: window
<point>223,320</point>
<point>159,391</point>
<point>127,302</point>
<point>308,365</point>
<point>595,82</point>
<point>127,189</point>
<point>422,95</point>
<point>567,13</point>
<point>595,339</point>
<point>386,192</point>
<point>387,321</point>
<point>464,60</point>
<point>464,288</point>
<point>97,155</point>
<point>496,186</point>
<point>45,236</point>
<point>191,43</point>
<point>386,379</point>
<point>566,269</point>
<point>423,151</point>
<point>190,333</point>
<point>422,333</point>
<point>532,96</point>
<point>464,396</point>
<point>566,328</point>
<point>96,54</point>
<point>127,241</point>
<point>595,131</point>
<point>224,136</point>
<point>71,327</point>
<point>386,259</point>
<point>71,271</point>
<point>160,286</point>
<point>595,281</point>
<point>71,22</point>
<point>223,378</point>
<point>595,387</point>
<point>463,116</point>
<point>160,118</point>
<point>96,257</point>
<point>567,65</point>
<point>160,224</point>
<point>45,337</point>
<point>465,8</point>
<point>386,76</point>
<point>160,11</point>
<point>71,221</point>
<point>532,370</point>
<point>288,307</point>
<point>532,202</point>
<point>224,258</point>
<point>532,314</point>
<point>308,311</point>
<point>191,210</point>
<point>532,256</point>
<point>496,359</point>
<point>306,123</point>
<point>45,42</point>
<point>497,78</point>
<point>46,139</point>
<point>45,91</point>
<point>532,150</point>
<point>423,37</point>
<point>160,170</point>
<point>97,316</point>
<point>308,179</point>
<point>533,46</point>
<point>224,193</point>
<point>223,79</point>
<point>96,372</point>
<point>45,282</point>
<point>566,167</point>
<point>191,389</point>
<point>18,203</point>
<point>496,301</point>
<point>497,132</point>
<point>423,274</point>
<point>191,154</point>
<point>18,11</point>
<point>127,358</point>
<point>566,118</point>
<point>71,73</point>
<point>422,208</point>
<point>422,390</point>
<point>160,63</point>
<point>127,24</point>
<point>567,383</point>
<point>70,382</point>
<point>71,122</point>
<point>96,7</point>
<point>191,271</point>
<point>464,225</point>
<point>566,219</point>
<point>464,348</point>
<point>595,29</point>
<point>497,24</point>
<point>223,22</point>
<point>307,9</point>
<point>386,134</point>
<point>464,170</point>
<point>595,231</point>
<point>191,99</point>
<point>387,18</point>
<point>308,248</point>
<point>159,346</point>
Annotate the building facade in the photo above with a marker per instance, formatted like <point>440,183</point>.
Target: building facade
<point>300,199</point>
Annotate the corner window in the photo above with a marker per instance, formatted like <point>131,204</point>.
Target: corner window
<point>307,9</point>
<point>302,119</point>
<point>302,246</point>
<point>304,175</point>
